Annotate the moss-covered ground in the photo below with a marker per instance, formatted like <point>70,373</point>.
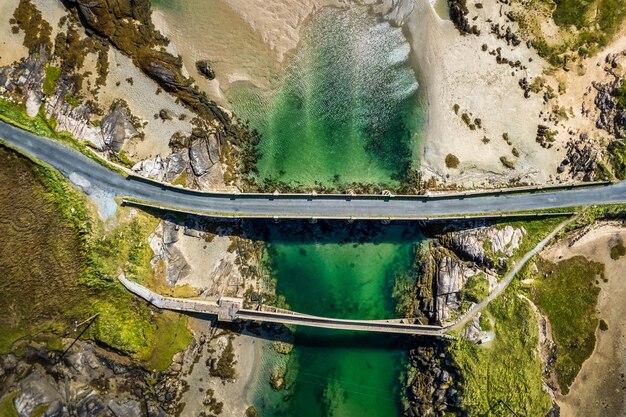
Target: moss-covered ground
<point>7,409</point>
<point>50,81</point>
<point>567,294</point>
<point>584,26</point>
<point>64,266</point>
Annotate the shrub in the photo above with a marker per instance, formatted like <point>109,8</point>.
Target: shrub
<point>452,161</point>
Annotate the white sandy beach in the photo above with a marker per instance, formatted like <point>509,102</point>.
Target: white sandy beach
<point>454,70</point>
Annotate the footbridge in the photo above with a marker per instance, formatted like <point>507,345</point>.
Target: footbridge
<point>229,309</point>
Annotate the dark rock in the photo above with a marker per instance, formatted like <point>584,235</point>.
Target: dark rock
<point>612,116</point>
<point>164,114</point>
<point>205,69</point>
<point>170,232</point>
<point>56,409</point>
<point>176,164</point>
<point>204,152</point>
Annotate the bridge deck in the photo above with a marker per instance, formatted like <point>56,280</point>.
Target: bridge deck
<point>229,309</point>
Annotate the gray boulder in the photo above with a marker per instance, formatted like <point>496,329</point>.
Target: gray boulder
<point>35,392</point>
<point>130,408</point>
<point>117,126</point>
<point>176,164</point>
<point>200,157</point>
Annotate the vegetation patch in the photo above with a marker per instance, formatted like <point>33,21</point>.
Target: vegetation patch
<point>15,114</point>
<point>64,269</point>
<point>7,409</point>
<point>617,158</point>
<point>476,289</point>
<point>506,376</point>
<point>36,30</point>
<point>452,161</point>
<point>50,81</point>
<point>583,26</point>
<point>618,250</point>
<point>224,367</point>
<point>567,294</point>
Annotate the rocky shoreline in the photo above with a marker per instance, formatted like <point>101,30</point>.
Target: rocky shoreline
<point>457,267</point>
<point>87,381</point>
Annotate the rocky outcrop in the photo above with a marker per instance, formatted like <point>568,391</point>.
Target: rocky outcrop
<point>35,391</point>
<point>87,382</point>
<point>127,24</point>
<point>610,101</point>
<point>452,275</point>
<point>117,126</point>
<point>204,152</point>
<point>471,244</point>
<point>581,160</point>
<point>474,333</point>
<point>205,69</point>
<point>162,242</point>
<point>434,384</point>
<point>458,15</point>
<point>457,255</point>
<point>161,169</point>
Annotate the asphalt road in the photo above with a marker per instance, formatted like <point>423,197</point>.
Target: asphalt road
<point>69,161</point>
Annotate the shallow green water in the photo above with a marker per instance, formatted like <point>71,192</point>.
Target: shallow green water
<point>332,373</point>
<point>346,110</point>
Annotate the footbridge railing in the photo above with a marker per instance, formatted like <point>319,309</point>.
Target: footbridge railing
<point>231,309</point>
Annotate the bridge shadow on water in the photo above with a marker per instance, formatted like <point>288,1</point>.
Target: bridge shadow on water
<point>323,231</point>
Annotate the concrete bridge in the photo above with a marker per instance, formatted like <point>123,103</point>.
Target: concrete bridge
<point>231,309</point>
<point>145,192</point>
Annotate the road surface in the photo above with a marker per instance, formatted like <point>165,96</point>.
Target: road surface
<point>69,161</point>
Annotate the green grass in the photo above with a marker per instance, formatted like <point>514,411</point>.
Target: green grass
<point>72,100</point>
<point>595,23</point>
<point>476,289</point>
<point>617,158</point>
<point>50,81</point>
<point>567,294</point>
<point>588,215</point>
<point>7,409</point>
<point>172,336</point>
<point>123,159</point>
<point>124,323</point>
<point>509,369</point>
<point>8,336</point>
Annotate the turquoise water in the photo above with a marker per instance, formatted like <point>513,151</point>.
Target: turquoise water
<point>333,373</point>
<point>346,109</point>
